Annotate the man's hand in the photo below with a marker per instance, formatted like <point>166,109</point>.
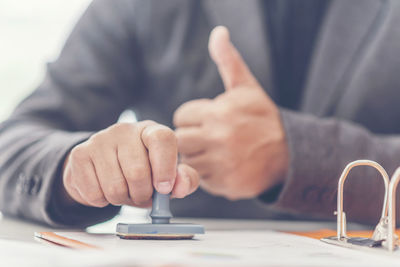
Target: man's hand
<point>236,141</point>
<point>123,163</point>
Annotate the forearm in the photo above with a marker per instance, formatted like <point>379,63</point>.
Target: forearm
<point>30,175</point>
<point>319,150</point>
<point>84,91</point>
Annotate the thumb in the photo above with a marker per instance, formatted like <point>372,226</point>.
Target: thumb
<point>231,66</point>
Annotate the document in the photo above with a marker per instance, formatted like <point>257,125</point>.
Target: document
<point>228,248</point>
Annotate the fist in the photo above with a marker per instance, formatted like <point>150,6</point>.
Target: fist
<point>236,141</point>
<point>123,163</point>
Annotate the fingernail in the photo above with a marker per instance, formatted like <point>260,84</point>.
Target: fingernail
<point>164,187</point>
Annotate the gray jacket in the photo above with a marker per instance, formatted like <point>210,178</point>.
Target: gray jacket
<point>151,56</point>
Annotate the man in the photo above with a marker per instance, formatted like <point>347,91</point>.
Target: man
<point>310,87</point>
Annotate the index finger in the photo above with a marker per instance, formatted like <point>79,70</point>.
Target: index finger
<point>191,113</point>
<point>162,147</point>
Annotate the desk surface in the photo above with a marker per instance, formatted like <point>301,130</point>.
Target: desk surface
<point>244,248</point>
<point>14,229</point>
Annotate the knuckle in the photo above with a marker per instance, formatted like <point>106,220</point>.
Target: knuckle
<point>102,139</point>
<point>231,191</point>
<point>177,117</point>
<point>222,136</point>
<point>163,134</point>
<point>137,173</point>
<point>179,135</point>
<point>143,197</point>
<point>96,139</point>
<point>143,124</point>
<point>220,98</point>
<point>122,131</point>
<point>95,197</point>
<point>182,108</point>
<point>123,127</point>
<point>225,186</point>
<point>147,122</point>
<point>78,153</point>
<point>68,181</point>
<point>116,193</point>
<point>141,191</point>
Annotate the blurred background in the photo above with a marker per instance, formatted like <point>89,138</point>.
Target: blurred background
<point>32,34</point>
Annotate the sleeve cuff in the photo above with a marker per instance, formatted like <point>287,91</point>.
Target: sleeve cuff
<point>56,213</point>
<point>270,196</point>
<point>306,188</point>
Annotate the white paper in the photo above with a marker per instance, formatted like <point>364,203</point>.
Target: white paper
<point>234,248</point>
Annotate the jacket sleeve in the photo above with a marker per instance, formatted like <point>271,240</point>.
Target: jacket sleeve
<point>94,79</point>
<point>320,148</point>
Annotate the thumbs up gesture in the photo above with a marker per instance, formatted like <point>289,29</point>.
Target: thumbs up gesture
<point>236,141</point>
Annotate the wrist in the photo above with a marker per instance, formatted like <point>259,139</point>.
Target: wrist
<point>280,155</point>
<point>279,165</point>
<point>64,198</point>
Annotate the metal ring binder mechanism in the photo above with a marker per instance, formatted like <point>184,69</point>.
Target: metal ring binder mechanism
<point>384,236</point>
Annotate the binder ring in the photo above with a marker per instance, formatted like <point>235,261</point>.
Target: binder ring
<point>341,219</point>
<point>391,238</point>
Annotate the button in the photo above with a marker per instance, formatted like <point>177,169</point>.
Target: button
<point>27,185</point>
<point>35,185</point>
<point>21,184</point>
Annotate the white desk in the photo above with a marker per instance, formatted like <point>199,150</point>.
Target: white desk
<point>245,243</point>
<point>14,229</point>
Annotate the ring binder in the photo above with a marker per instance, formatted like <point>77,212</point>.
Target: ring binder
<point>384,233</point>
<point>392,238</point>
